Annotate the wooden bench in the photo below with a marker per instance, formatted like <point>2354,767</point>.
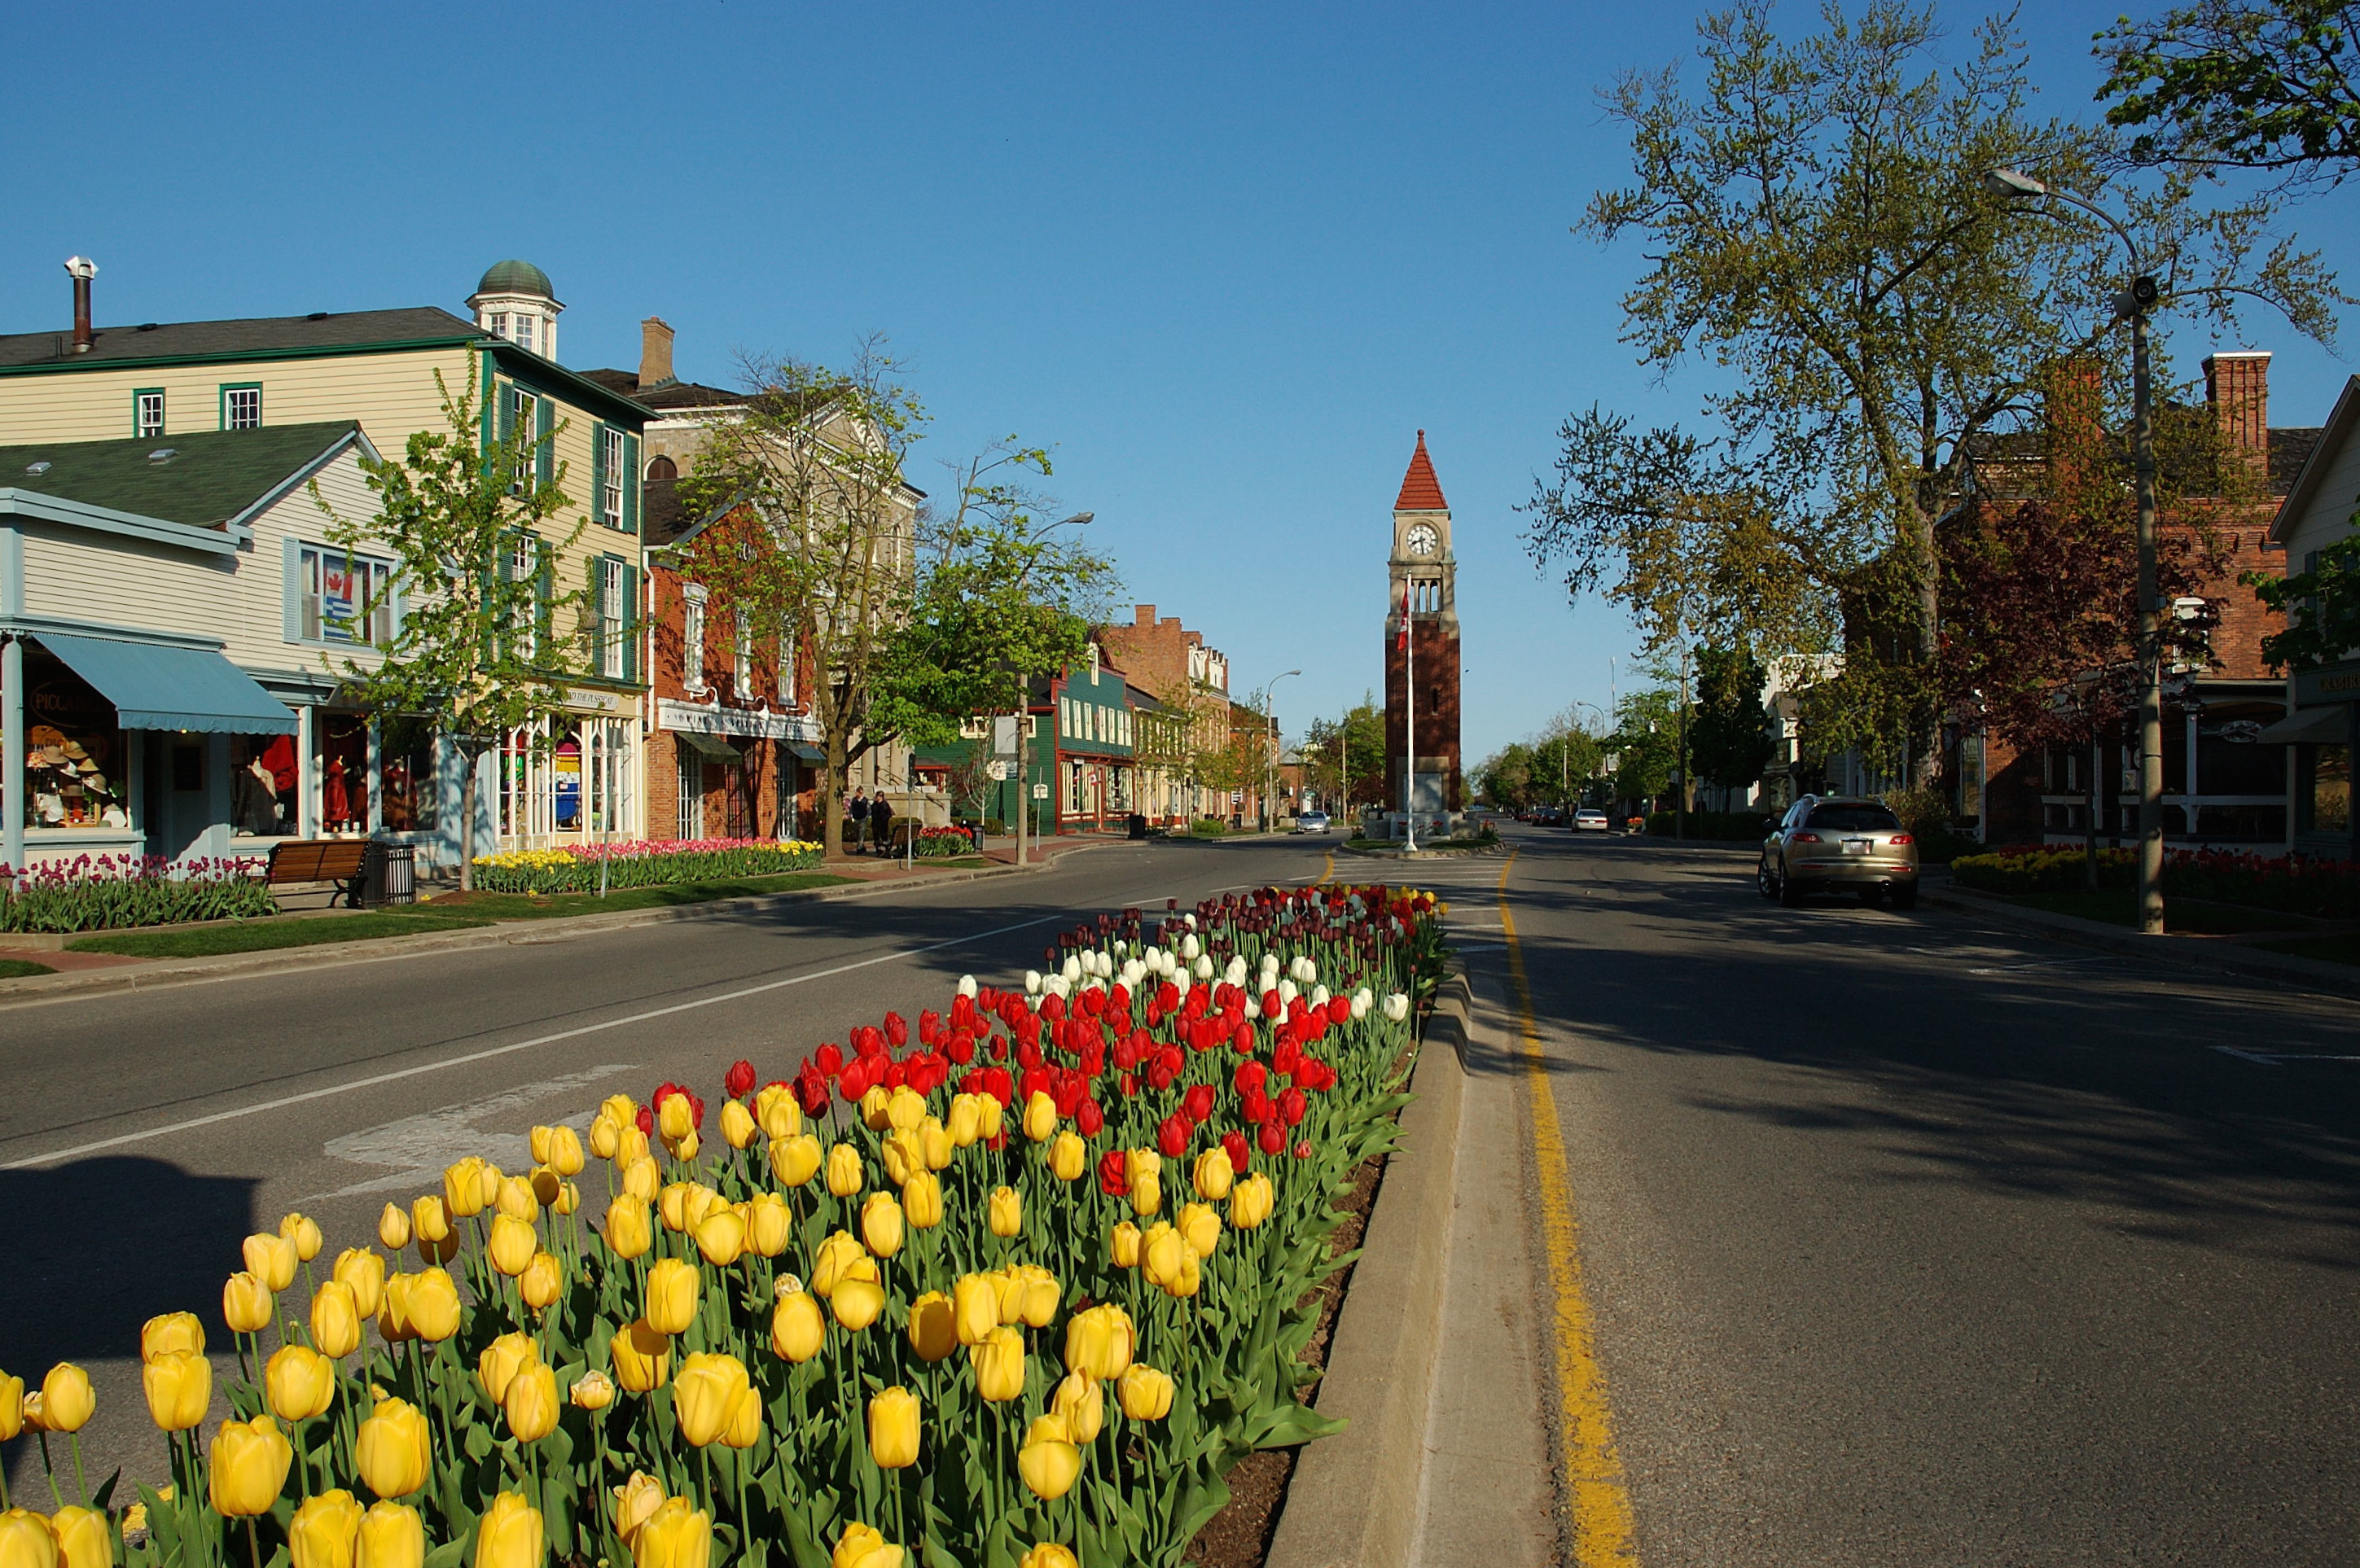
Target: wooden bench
<point>338,860</point>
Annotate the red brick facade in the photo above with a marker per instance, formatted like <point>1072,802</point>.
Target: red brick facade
<point>1437,706</point>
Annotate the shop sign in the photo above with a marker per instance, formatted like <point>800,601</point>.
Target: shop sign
<point>2328,684</point>
<point>580,700</point>
<point>695,718</point>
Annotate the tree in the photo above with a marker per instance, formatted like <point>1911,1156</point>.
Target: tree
<point>1505,778</point>
<point>2259,84</point>
<point>477,653</point>
<point>1730,738</point>
<point>1645,742</point>
<point>1816,227</point>
<point>2322,604</point>
<point>1345,756</point>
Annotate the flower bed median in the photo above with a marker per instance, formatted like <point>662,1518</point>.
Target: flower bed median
<point>119,892</point>
<point>1015,1287</point>
<point>585,868</point>
<point>2293,884</point>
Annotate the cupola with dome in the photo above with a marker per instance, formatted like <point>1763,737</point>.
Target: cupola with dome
<point>515,302</point>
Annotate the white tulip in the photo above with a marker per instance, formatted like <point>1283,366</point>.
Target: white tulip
<point>1073,970</point>
<point>1319,998</point>
<point>1202,969</point>
<point>967,987</point>
<point>1189,946</point>
<point>1287,993</point>
<point>1032,982</point>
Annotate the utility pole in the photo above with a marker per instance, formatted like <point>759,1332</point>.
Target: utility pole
<point>1680,801</point>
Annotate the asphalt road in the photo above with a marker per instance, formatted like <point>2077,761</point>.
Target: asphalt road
<point>144,1134</point>
<point>1914,1241</point>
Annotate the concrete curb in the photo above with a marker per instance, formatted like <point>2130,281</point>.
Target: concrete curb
<point>1460,853</point>
<point>161,973</point>
<point>2191,953</point>
<point>1354,1496</point>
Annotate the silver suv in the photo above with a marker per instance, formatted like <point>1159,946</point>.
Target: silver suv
<point>1839,843</point>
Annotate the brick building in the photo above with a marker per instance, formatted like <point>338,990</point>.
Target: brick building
<point>1189,681</point>
<point>1424,577</point>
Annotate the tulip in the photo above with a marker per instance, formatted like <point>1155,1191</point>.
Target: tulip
<point>794,1160</point>
<point>67,1401</point>
<point>721,1236</point>
<point>247,1304</point>
<point>630,1147</point>
<point>838,1252</point>
<point>172,1330</point>
<point>564,1152</point>
<point>1200,1224</point>
<point>1033,1299</point>
<point>922,1200</point>
<point>1100,1341</point>
<point>1146,1393</point>
<point>548,1186</point>
<point>85,1538</point>
<point>12,1407</point>
<point>934,1143</point>
<point>501,1361</point>
<point>592,1392</point>
<point>675,1118</point>
<point>992,1114</point>
<point>180,1388</point>
<point>904,1109</point>
<point>1146,1193</point>
<point>1080,1403</point>
<point>518,1200</point>
<point>536,1140</point>
<point>511,1245</point>
<point>704,1395</point>
<point>769,1225</point>
<point>634,1501</point>
<point>1047,1554</point>
<point>1040,1117</point>
<point>32,1413</point>
<point>530,1403</point>
<point>797,1330</point>
<point>674,1290</point>
<point>304,1232</point>
<point>390,1449</point>
<point>776,1110</point>
<point>1213,1174</point>
<point>432,1309</point>
<point>975,1308</point>
<point>1005,1213</point>
<point>641,1177</point>
<point>642,1356</point>
<point>998,1365</point>
<point>391,1536</point>
<point>362,1272</point>
<point>335,1320</point>
<point>541,1281</point>
<point>903,1157</point>
<point>862,1547</point>
<point>880,1225</point>
<point>299,1382</point>
<point>27,1541</point>
<point>856,1301</point>
<point>271,1258</point>
<point>249,1464</point>
<point>1068,1157</point>
<point>1049,1462</point>
<point>325,1530</point>
<point>895,1417</point>
<point>393,1227</point>
<point>605,1135</point>
<point>872,1108</point>
<point>1122,1245</point>
<point>675,1536</point>
<point>745,1428</point>
<point>1250,1201</point>
<point>845,1178</point>
<point>673,1204</point>
<point>431,1227</point>
<point>462,1188</point>
<point>966,1123</point>
<point>628,1230</point>
<point>738,1128</point>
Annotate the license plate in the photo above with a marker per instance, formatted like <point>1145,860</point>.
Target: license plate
<point>1857,845</point>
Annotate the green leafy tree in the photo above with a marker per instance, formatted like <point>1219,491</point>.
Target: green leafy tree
<point>1345,756</point>
<point>1504,779</point>
<point>1645,742</point>
<point>2320,604</point>
<point>1730,738</point>
<point>485,645</point>
<point>2260,84</point>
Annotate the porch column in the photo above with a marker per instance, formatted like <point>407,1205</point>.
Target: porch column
<point>2188,788</point>
<point>11,699</point>
<point>307,815</point>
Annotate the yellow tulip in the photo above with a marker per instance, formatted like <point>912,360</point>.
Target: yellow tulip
<point>671,1203</point>
<point>738,1128</point>
<point>880,1225</point>
<point>837,1253</point>
<point>744,1426</point>
<point>1040,1117</point>
<point>271,1259</point>
<point>1168,1262</point>
<point>634,1501</point>
<point>856,1302</point>
<point>335,1320</point>
<point>299,1382</point>
<point>462,1188</point>
<point>1200,1226</point>
<point>1147,1193</point>
<point>674,1290</point>
<point>172,1330</point>
<point>1047,1554</point>
<point>794,1160</point>
<point>362,1272</point>
<point>325,1530</point>
<point>872,1108</point>
<point>1080,1403</point>
<point>433,1306</point>
<point>1146,1393</point>
<point>676,1120</point>
<point>922,1200</point>
<point>998,1365</point>
<point>32,1413</point>
<point>67,1401</point>
<point>390,1449</point>
<point>180,1388</point>
<point>934,1143</point>
<point>675,1536</point>
<point>12,1407</point>
<point>249,1464</point>
<point>27,1541</point>
<point>247,1304</point>
<point>1034,1298</point>
<point>1122,1244</point>
<point>304,1232</point>
<point>530,1403</point>
<point>933,1326</point>
<point>1250,1201</point>
<point>992,1112</point>
<point>975,1306</point>
<point>903,1157</point>
<point>1100,1341</point>
<point>631,1148</point>
<point>721,1235</point>
<point>966,1123</point>
<point>1049,1462</point>
<point>602,1135</point>
<point>568,1199</point>
<point>542,1282</point>
<point>797,1330</point>
<point>509,1535</point>
<point>536,1140</point>
<point>894,1417</point>
<point>1213,1175</point>
<point>517,1199</point>
<point>1005,1211</point>
<point>592,1392</point>
<point>905,1108</point>
<point>1068,1157</point>
<point>776,1110</point>
<point>431,1227</point>
<point>628,1232</point>
<point>548,1186</point>
<point>1140,1163</point>
<point>393,1227</point>
<point>845,1177</point>
<point>564,1152</point>
<point>85,1538</point>
<point>511,1245</point>
<point>705,1394</point>
<point>642,1356</point>
<point>862,1547</point>
<point>501,1362</point>
<point>391,1536</point>
<point>642,1178</point>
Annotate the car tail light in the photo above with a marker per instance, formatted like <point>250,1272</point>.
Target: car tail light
<point>1804,838</point>
<point>1901,838</point>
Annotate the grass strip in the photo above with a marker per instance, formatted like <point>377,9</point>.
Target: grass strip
<point>2119,907</point>
<point>525,906</point>
<point>19,968</point>
<point>257,936</point>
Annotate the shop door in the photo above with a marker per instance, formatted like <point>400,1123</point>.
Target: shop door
<point>179,808</point>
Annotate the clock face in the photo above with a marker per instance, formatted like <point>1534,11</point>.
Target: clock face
<point>1422,540</point>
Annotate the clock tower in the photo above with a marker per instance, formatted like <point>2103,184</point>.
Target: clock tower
<point>1422,680</point>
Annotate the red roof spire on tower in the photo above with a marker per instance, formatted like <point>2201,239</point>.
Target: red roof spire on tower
<point>1421,491</point>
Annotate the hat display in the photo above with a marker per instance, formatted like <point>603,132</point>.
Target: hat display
<point>73,749</point>
<point>46,735</point>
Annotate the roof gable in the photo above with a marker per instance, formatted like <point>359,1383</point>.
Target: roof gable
<point>250,337</point>
<point>212,479</point>
<point>1420,491</point>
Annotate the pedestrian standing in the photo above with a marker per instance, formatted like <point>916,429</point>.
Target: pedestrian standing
<point>881,816</point>
<point>856,817</point>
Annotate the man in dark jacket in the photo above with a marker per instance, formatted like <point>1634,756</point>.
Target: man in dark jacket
<point>880,821</point>
<point>856,821</point>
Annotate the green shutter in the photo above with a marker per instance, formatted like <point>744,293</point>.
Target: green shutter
<point>630,622</point>
<point>598,471</point>
<point>590,615</point>
<point>631,484</point>
<point>544,445</point>
<point>544,593</point>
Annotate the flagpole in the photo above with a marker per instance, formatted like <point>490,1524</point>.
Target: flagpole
<point>1409,726</point>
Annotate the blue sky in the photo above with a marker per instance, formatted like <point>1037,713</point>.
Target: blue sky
<point>1227,261</point>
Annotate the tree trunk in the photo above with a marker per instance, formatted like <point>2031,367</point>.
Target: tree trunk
<point>1926,752</point>
<point>831,803</point>
<point>467,820</point>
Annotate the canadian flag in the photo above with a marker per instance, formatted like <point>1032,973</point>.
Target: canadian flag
<point>1403,642</point>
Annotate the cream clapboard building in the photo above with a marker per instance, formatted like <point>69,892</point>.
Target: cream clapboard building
<point>387,373</point>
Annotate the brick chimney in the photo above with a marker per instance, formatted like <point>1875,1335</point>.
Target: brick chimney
<point>655,352</point>
<point>81,269</point>
<point>2237,387</point>
<point>1144,615</point>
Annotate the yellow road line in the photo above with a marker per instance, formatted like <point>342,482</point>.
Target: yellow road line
<point>1326,871</point>
<point>1596,1493</point>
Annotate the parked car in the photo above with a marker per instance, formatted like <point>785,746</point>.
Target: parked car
<point>1311,821</point>
<point>1590,819</point>
<point>1839,844</point>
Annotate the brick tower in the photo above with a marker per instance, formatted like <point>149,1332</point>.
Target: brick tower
<point>1423,573</point>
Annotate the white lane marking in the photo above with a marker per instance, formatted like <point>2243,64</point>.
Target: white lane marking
<point>283,1101</point>
<point>415,1150</point>
<point>2247,1055</point>
<point>2039,963</point>
<point>2274,1058</point>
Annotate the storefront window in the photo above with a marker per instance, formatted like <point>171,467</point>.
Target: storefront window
<point>410,789</point>
<point>263,778</point>
<point>340,742</point>
<point>2329,807</point>
<point>74,760</point>
<point>574,781</point>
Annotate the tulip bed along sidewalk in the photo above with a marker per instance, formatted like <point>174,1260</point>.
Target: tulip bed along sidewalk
<point>1019,1291</point>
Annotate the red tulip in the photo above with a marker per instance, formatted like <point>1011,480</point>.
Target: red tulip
<point>1239,1154</point>
<point>1172,1138</point>
<point>1270,1139</point>
<point>1198,1103</point>
<point>1112,1179</point>
<point>1248,1077</point>
<point>1089,1118</point>
<point>897,1029</point>
<point>830,1059</point>
<point>738,1079</point>
<point>1292,1106</point>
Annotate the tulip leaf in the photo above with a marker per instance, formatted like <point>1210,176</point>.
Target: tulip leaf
<point>448,1554</point>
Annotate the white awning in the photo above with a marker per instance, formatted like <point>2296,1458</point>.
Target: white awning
<point>2311,726</point>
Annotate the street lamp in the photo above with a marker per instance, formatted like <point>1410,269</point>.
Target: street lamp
<point>2133,304</point>
<point>1270,709</point>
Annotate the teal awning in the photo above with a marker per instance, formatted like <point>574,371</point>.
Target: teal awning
<point>807,753</point>
<point>159,688</point>
<point>713,748</point>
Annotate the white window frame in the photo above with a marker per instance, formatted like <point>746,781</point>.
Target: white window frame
<point>611,502</point>
<point>238,400</point>
<point>788,694</point>
<point>141,404</point>
<point>692,639</point>
<point>741,657</point>
<point>612,617</point>
<point>311,604</point>
<point>524,566</point>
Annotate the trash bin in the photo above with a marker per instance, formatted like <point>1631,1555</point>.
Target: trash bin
<point>1138,824</point>
<point>388,874</point>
